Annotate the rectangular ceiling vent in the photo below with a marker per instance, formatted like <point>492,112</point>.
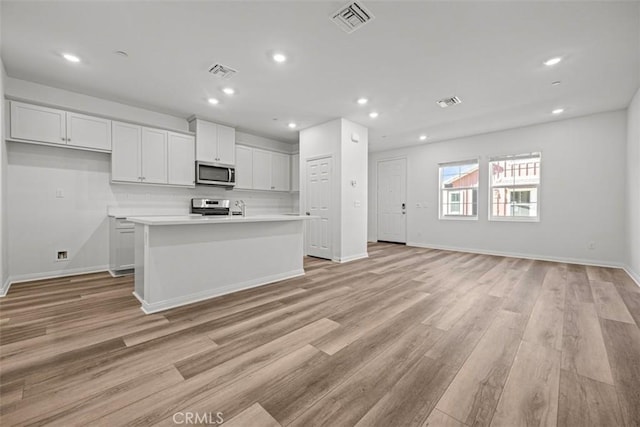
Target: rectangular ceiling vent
<point>351,17</point>
<point>446,102</point>
<point>222,71</point>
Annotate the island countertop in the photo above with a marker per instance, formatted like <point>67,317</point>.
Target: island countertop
<point>195,220</point>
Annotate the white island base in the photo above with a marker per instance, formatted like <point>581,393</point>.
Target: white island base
<point>181,260</point>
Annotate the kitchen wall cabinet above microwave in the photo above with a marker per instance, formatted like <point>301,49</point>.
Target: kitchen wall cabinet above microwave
<point>214,143</point>
<point>36,124</point>
<point>145,155</point>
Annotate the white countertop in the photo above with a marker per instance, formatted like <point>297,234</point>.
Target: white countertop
<point>195,220</point>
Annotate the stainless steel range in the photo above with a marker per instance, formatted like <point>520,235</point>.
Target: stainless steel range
<point>210,207</point>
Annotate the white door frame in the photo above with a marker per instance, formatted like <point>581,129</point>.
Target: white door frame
<point>332,213</point>
<point>406,173</point>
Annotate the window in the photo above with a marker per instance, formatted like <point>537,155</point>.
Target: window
<point>459,190</point>
<point>515,183</point>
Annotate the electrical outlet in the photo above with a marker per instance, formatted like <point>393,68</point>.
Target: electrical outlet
<point>59,193</point>
<point>62,256</point>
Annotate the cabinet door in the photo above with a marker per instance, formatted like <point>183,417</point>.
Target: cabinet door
<point>154,156</point>
<point>226,145</point>
<point>280,172</point>
<point>261,170</point>
<point>126,152</point>
<point>124,249</point>
<point>181,159</point>
<point>295,172</point>
<point>88,131</point>
<point>206,141</point>
<point>244,167</point>
<point>35,123</point>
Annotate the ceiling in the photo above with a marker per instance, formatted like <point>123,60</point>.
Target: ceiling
<point>490,54</point>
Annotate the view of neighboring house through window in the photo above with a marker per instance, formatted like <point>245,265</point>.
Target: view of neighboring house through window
<point>515,182</point>
<point>459,189</point>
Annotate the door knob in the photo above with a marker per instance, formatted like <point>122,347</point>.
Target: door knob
<point>308,213</point>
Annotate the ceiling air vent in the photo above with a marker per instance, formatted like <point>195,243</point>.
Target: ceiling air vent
<point>446,102</point>
<point>351,17</point>
<point>222,71</point>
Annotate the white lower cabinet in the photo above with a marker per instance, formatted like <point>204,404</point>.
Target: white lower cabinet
<point>152,156</point>
<point>121,245</point>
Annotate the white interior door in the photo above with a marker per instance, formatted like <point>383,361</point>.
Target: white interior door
<point>392,199</point>
<point>318,239</point>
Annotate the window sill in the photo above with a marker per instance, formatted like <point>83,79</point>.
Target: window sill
<point>458,218</point>
<point>514,219</point>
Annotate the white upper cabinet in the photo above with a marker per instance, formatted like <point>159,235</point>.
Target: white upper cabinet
<point>88,132</point>
<point>52,126</point>
<point>280,172</point>
<point>295,172</point>
<point>258,169</point>
<point>181,159</point>
<point>226,145</point>
<point>214,143</point>
<point>154,156</point>
<point>35,123</point>
<point>261,170</point>
<point>244,167</point>
<point>126,155</point>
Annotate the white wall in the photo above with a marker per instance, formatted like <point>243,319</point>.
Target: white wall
<point>324,141</point>
<point>633,187</point>
<point>39,224</point>
<point>354,199</point>
<point>582,191</point>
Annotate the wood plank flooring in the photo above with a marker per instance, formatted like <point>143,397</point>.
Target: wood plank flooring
<point>407,337</point>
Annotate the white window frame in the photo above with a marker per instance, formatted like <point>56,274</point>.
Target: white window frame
<point>441,215</point>
<point>537,186</point>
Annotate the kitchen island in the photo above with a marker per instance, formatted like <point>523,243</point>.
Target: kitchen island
<point>183,259</point>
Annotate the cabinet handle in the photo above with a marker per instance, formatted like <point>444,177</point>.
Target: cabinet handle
<point>68,139</point>
<point>62,138</point>
<point>273,188</point>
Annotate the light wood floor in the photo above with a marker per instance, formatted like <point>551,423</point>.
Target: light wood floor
<point>407,337</point>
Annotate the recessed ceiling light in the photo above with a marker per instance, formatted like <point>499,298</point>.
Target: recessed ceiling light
<point>423,137</point>
<point>279,57</point>
<point>292,125</point>
<point>552,61</point>
<point>362,101</point>
<point>373,114</point>
<point>556,83</point>
<point>558,111</point>
<point>213,101</point>
<point>229,90</point>
<point>71,58</point>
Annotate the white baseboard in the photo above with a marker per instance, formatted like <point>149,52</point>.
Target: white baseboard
<point>351,258</point>
<point>5,287</point>
<point>135,294</point>
<point>155,307</point>
<point>594,263</point>
<point>12,280</point>
<point>634,275</point>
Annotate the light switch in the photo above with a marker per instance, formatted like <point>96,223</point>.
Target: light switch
<point>59,193</point>
<point>357,203</point>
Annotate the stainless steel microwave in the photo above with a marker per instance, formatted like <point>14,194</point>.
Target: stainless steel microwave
<point>214,174</point>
